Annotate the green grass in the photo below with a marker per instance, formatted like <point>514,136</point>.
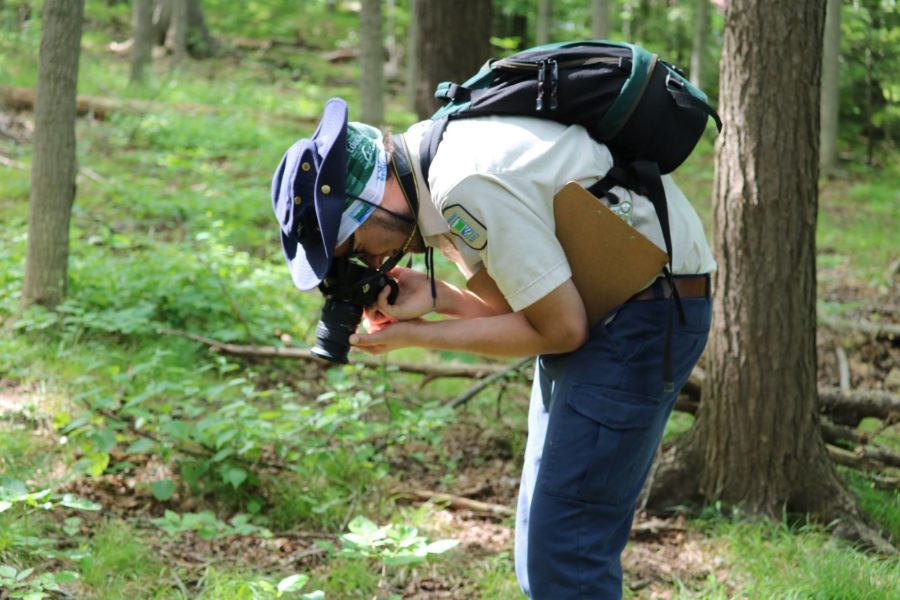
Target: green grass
<point>772,561</point>
<point>120,563</point>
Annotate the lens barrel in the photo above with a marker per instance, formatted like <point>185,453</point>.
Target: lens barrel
<point>339,321</point>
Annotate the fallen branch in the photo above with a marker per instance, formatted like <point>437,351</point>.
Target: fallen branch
<point>442,370</point>
<point>488,381</point>
<point>843,369</point>
<point>862,326</point>
<point>851,459</point>
<point>460,502</point>
<point>834,434</point>
<point>102,108</point>
<point>859,404</point>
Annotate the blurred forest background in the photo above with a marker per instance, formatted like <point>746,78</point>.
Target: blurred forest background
<point>163,433</point>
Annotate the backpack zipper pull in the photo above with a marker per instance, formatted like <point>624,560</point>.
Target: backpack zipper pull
<point>542,76</point>
<point>554,84</point>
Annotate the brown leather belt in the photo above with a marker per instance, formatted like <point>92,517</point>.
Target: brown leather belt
<point>695,286</point>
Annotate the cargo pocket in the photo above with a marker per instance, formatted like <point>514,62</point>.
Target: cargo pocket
<point>602,446</point>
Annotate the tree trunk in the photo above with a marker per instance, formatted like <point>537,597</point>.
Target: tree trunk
<point>600,19</point>
<point>371,62</point>
<point>453,42</point>
<point>698,50</point>
<point>412,55</point>
<point>544,22</point>
<point>756,442</point>
<point>176,40</point>
<point>53,165</point>
<point>201,43</point>
<point>830,96</point>
<point>394,53</point>
<point>141,50</point>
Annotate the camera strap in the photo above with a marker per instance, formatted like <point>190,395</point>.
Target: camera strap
<point>403,171</point>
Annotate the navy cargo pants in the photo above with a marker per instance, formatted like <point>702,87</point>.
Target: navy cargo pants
<point>595,422</point>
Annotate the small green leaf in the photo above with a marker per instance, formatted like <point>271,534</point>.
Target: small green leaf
<point>292,583</point>
<point>65,577</point>
<point>73,501</point>
<point>235,476</point>
<point>4,505</point>
<point>163,489</point>
<point>316,595</point>
<point>140,447</point>
<point>7,571</point>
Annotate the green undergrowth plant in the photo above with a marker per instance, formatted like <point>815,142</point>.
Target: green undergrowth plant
<point>216,584</point>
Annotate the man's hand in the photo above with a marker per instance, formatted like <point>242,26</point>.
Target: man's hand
<point>390,336</point>
<point>414,297</point>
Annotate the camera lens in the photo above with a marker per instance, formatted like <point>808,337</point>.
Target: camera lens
<point>339,321</point>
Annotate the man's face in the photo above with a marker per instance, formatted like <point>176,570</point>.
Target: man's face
<point>382,235</point>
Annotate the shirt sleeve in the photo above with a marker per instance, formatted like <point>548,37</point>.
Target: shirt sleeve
<point>508,221</point>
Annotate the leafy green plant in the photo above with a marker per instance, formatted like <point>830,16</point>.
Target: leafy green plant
<point>393,545</point>
<point>28,585</point>
<point>207,526</point>
<point>216,585</point>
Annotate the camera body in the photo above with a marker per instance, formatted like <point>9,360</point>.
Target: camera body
<point>348,288</point>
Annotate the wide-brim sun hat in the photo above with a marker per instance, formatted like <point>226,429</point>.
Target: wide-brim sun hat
<point>324,188</point>
<point>308,196</point>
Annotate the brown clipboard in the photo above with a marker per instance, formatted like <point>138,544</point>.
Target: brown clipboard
<point>610,260</point>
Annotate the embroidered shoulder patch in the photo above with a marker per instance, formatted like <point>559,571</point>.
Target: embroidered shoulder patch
<point>464,225</point>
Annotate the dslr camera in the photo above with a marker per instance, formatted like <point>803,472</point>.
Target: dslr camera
<point>348,288</point>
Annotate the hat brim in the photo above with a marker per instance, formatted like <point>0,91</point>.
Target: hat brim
<point>309,257</point>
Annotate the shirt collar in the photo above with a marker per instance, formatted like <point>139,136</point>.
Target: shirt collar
<point>430,220</point>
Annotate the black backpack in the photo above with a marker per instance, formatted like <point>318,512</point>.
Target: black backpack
<point>642,108</point>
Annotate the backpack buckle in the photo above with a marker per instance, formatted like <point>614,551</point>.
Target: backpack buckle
<point>674,82</point>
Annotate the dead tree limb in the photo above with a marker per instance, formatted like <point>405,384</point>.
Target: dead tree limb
<point>460,502</point>
<point>859,404</point>
<point>488,381</point>
<point>441,370</point>
<point>102,108</point>
<point>862,326</point>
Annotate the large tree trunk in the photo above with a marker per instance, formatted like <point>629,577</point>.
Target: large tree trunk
<point>453,42</point>
<point>544,22</point>
<point>600,19</point>
<point>698,49</point>
<point>756,442</point>
<point>142,33</point>
<point>200,42</point>
<point>412,54</point>
<point>53,165</point>
<point>830,96</point>
<point>176,39</point>
<point>371,62</point>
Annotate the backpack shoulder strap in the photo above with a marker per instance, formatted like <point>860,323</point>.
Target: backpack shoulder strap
<point>429,145</point>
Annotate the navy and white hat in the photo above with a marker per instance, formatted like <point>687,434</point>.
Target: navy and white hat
<point>317,187</point>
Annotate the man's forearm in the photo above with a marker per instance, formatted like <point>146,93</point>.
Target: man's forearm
<point>461,304</point>
<point>500,335</point>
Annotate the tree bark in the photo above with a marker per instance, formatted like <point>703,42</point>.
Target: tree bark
<point>53,167</point>
<point>600,19</point>
<point>371,62</point>
<point>756,441</point>
<point>412,55</point>
<point>453,42</point>
<point>544,22</point>
<point>830,89</point>
<point>142,33</point>
<point>698,50</point>
<point>176,39</point>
